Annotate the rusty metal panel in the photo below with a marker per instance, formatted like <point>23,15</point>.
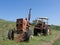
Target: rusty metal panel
<point>21,24</point>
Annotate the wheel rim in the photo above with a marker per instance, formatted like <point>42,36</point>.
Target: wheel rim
<point>48,31</point>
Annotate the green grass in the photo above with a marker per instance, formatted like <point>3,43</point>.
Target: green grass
<point>6,25</point>
<point>33,41</point>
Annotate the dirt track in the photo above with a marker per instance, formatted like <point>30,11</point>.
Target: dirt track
<point>55,37</point>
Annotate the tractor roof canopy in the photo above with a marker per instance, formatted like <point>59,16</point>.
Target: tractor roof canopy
<point>45,18</point>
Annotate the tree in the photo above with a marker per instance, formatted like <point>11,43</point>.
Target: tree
<point>34,22</point>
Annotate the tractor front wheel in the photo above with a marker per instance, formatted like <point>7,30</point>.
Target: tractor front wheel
<point>11,34</point>
<point>28,33</point>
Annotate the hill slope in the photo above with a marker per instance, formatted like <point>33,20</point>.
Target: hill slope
<point>4,25</point>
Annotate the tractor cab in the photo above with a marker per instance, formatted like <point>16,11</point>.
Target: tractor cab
<point>44,22</point>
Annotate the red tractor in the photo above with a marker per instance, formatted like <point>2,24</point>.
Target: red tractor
<point>42,27</point>
<point>22,29</point>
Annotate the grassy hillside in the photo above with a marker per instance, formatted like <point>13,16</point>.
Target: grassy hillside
<point>4,27</point>
<point>39,40</point>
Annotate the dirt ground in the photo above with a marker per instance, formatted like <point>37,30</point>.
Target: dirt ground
<point>55,37</point>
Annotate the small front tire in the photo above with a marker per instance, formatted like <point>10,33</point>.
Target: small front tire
<point>11,35</point>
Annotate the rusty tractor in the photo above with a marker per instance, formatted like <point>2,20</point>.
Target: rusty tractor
<point>22,29</point>
<point>42,27</point>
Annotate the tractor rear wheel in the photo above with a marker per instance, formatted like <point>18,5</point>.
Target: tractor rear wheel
<point>11,34</point>
<point>35,32</point>
<point>46,31</point>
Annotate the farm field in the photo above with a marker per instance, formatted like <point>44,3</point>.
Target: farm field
<point>29,22</point>
<point>52,39</point>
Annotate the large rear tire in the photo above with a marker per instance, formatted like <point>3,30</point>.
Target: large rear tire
<point>11,35</point>
<point>46,31</point>
<point>35,32</point>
